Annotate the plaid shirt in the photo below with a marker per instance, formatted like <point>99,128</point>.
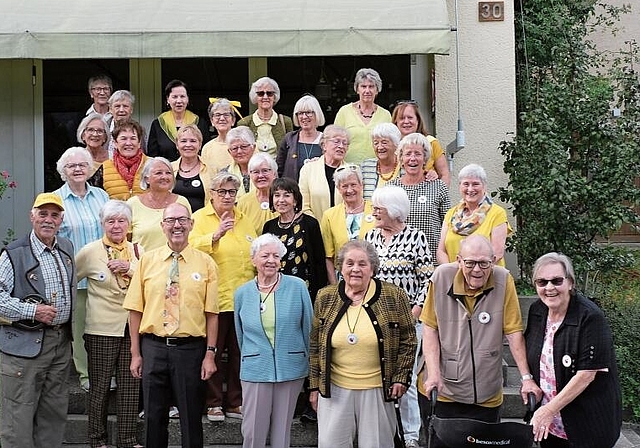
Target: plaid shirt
<point>429,203</point>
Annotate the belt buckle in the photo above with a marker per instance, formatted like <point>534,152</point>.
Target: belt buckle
<point>171,342</point>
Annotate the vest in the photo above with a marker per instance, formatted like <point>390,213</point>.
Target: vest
<point>470,345</point>
<point>115,186</point>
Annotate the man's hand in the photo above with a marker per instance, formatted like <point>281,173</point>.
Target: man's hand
<point>208,366</point>
<point>432,382</point>
<point>530,386</point>
<point>45,313</point>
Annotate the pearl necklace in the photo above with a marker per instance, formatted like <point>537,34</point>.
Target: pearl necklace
<point>354,211</point>
<point>270,285</point>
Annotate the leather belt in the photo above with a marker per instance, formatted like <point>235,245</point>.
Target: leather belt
<point>174,342</point>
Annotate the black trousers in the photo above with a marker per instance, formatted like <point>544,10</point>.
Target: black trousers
<point>172,374</point>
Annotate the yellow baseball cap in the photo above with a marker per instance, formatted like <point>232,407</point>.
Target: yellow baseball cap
<point>48,198</point>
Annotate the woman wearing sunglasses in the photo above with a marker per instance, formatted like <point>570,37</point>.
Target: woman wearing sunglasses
<point>474,214</point>
<point>268,126</point>
<point>571,356</point>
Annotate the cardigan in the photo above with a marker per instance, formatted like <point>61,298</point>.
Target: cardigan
<point>289,358</point>
<point>392,321</point>
<point>582,342</point>
<point>315,189</point>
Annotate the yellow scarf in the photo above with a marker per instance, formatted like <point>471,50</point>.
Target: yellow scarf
<point>118,252</point>
<point>168,123</point>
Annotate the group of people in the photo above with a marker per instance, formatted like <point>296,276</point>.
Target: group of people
<point>326,262</point>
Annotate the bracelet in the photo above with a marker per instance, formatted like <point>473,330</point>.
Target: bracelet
<point>526,377</point>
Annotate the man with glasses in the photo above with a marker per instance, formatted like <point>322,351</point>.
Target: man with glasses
<point>173,323</point>
<point>100,88</point>
<point>471,305</point>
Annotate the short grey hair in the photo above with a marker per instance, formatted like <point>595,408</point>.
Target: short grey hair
<point>364,246</point>
<point>253,96</point>
<point>223,177</point>
<point>148,166</point>
<point>415,139</point>
<point>344,172</point>
<point>333,130</point>
<point>394,199</point>
<point>73,151</point>
<point>115,208</point>
<point>308,102</point>
<point>473,171</point>
<point>387,130</point>
<point>367,74</point>
<point>262,157</point>
<point>243,133</point>
<point>120,95</point>
<point>553,258</point>
<point>84,124</point>
<point>222,103</point>
<point>476,240</point>
<point>264,240</point>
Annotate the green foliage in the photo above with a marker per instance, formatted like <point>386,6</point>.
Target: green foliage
<point>572,165</point>
<point>620,300</point>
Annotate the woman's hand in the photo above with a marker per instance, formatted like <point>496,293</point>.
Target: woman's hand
<point>397,390</point>
<point>313,400</point>
<point>540,423</point>
<point>118,266</point>
<point>430,175</point>
<point>226,223</point>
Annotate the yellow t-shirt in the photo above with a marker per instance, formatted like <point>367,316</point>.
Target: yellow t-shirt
<point>496,216</point>
<point>145,223</point>
<point>360,145</point>
<point>216,155</point>
<point>257,213</point>
<point>231,253</point>
<point>436,152</point>
<point>198,291</point>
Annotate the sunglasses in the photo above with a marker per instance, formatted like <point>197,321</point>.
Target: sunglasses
<point>269,93</point>
<point>348,166</point>
<point>400,102</point>
<point>542,282</point>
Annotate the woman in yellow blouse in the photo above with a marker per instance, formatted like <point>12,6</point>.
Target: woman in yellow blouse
<point>474,214</point>
<point>242,146</point>
<point>263,170</point>
<point>225,233</point>
<point>349,220</point>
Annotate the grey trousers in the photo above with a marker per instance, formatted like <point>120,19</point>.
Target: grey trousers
<point>35,394</point>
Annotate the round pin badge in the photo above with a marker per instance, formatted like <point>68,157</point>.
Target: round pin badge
<point>422,199</point>
<point>196,276</point>
<point>249,238</point>
<point>369,218</point>
<point>263,307</point>
<point>264,205</point>
<point>102,276</point>
<point>484,317</point>
<point>352,339</point>
<point>566,360</point>
<point>195,183</point>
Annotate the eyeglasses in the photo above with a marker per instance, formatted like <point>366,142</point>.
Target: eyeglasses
<point>223,192</point>
<point>95,131</point>
<point>101,89</point>
<point>73,166</point>
<point>339,142</point>
<point>182,220</point>
<point>401,102</point>
<point>542,282</point>
<point>306,113</point>
<point>348,166</point>
<point>244,147</point>
<point>269,93</point>
<point>471,264</point>
<point>263,171</point>
<point>218,116</point>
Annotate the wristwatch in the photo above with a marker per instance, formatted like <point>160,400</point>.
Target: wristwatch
<point>526,377</point>
<point>212,348</point>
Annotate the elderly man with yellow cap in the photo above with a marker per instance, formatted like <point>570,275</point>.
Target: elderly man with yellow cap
<point>37,293</point>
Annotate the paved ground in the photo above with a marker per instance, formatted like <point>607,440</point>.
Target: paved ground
<point>630,438</point>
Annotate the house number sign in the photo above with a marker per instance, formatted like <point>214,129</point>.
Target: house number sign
<point>491,11</point>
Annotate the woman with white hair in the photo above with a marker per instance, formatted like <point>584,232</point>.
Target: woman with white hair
<point>121,109</point>
<point>360,117</point>
<point>93,132</point>
<point>108,264</point>
<point>241,145</point>
<point>303,145</point>
<point>81,224</point>
<point>349,220</point>
<point>474,214</point>
<point>222,114</point>
<point>429,199</point>
<point>262,170</point>
<point>268,126</point>
<point>377,171</point>
<point>157,181</point>
<point>272,315</point>
<point>405,261</point>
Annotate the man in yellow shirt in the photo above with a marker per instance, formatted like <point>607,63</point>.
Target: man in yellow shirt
<point>173,322</point>
<point>471,305</point>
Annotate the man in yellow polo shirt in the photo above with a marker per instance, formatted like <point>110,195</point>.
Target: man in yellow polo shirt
<point>173,322</point>
<point>470,306</point>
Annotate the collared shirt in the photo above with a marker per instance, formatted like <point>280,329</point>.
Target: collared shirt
<point>81,223</point>
<point>231,253</point>
<point>198,291</point>
<point>264,136</point>
<point>107,115</point>
<point>56,281</point>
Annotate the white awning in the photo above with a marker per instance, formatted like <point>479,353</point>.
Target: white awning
<point>80,29</point>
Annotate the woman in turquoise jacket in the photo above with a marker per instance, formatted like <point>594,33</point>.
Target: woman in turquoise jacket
<point>273,315</point>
